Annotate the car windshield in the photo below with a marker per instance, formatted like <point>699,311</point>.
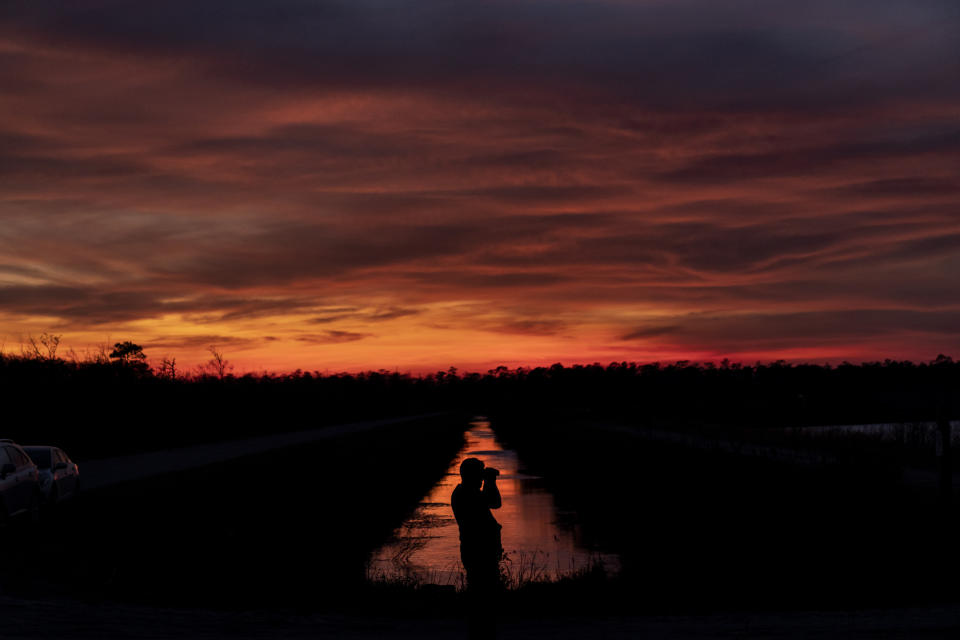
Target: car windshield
<point>40,457</point>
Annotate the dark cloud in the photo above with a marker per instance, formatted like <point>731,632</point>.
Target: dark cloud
<point>694,246</point>
<point>332,337</point>
<point>358,162</point>
<point>241,309</point>
<point>277,254</point>
<point>194,342</point>
<point>91,306</point>
<point>530,327</point>
<point>393,313</point>
<point>334,314</point>
<point>340,141</point>
<point>914,186</point>
<point>746,331</point>
<point>352,313</point>
<point>785,161</point>
<point>475,280</point>
<point>650,332</point>
<point>548,195</point>
<point>666,51</point>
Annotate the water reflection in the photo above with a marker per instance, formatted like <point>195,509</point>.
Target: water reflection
<point>426,548</point>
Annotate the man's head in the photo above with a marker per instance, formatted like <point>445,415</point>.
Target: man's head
<point>471,472</point>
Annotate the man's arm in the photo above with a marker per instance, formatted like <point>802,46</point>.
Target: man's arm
<point>491,494</point>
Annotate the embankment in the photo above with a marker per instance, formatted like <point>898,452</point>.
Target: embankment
<point>706,528</point>
<point>291,526</point>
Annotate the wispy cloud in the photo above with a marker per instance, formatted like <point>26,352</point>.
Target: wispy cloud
<point>570,173</point>
<point>331,337</point>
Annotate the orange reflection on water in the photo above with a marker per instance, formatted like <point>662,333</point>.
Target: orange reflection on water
<point>426,547</point>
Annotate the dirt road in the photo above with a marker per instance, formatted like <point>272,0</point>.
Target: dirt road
<point>105,472</point>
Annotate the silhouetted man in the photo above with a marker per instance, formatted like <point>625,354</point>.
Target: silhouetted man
<point>480,547</point>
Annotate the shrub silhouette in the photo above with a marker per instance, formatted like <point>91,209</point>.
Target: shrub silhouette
<point>234,406</point>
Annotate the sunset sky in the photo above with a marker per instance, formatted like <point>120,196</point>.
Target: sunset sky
<point>359,184</point>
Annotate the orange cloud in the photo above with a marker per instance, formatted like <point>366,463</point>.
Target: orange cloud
<point>443,190</point>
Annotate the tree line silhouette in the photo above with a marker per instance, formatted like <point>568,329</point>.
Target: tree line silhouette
<point>114,401</point>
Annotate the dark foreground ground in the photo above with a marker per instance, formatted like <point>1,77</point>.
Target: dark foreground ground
<point>290,527</point>
<point>274,545</point>
<point>701,529</point>
<point>76,620</point>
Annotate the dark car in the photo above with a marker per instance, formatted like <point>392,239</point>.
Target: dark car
<point>59,475</point>
<point>19,482</point>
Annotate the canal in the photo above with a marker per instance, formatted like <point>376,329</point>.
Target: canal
<point>425,549</point>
